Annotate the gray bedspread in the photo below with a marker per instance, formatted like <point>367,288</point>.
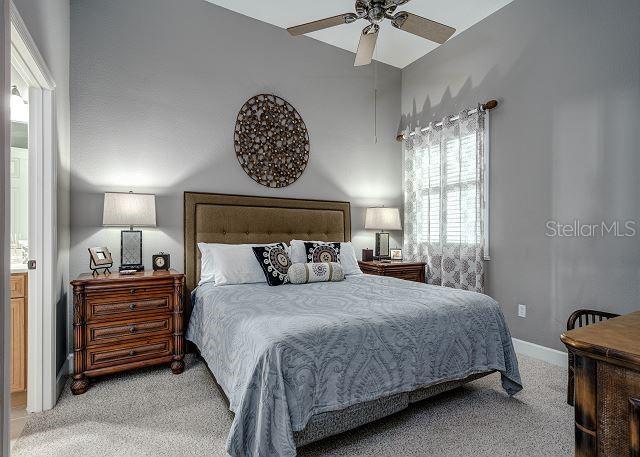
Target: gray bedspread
<point>283,354</point>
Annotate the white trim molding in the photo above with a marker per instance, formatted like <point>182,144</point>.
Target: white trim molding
<point>543,353</point>
<point>30,64</point>
<point>42,378</point>
<point>5,313</point>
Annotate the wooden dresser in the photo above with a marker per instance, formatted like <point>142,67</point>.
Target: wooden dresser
<point>607,387</point>
<point>411,271</point>
<point>124,322</point>
<point>19,294</point>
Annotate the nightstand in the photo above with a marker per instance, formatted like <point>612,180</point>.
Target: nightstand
<point>411,271</point>
<point>122,322</point>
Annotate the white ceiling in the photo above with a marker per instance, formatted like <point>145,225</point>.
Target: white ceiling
<point>395,47</point>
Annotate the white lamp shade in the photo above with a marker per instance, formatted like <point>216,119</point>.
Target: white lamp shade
<point>383,219</point>
<point>129,209</point>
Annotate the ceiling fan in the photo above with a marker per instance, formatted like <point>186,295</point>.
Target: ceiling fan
<point>376,11</point>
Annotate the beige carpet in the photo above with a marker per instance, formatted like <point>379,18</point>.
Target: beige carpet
<point>154,413</point>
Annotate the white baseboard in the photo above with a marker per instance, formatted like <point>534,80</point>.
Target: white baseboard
<point>61,380</point>
<point>543,353</point>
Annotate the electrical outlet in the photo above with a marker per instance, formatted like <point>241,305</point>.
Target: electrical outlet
<point>522,310</point>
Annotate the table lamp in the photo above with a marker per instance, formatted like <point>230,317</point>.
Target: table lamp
<point>382,219</point>
<point>129,210</point>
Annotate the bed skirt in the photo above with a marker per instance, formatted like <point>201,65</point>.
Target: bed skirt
<point>331,423</point>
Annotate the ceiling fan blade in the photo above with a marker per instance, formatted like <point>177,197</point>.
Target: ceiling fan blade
<point>322,24</point>
<point>426,28</point>
<point>367,46</point>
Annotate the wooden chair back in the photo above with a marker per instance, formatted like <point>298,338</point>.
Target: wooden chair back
<point>582,318</point>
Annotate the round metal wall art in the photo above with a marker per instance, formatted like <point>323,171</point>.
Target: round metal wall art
<point>271,141</point>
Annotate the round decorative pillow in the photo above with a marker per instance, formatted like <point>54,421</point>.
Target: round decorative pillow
<point>275,263</point>
<point>322,252</point>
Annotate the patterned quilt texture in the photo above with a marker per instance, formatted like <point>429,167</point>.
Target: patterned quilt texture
<point>283,354</point>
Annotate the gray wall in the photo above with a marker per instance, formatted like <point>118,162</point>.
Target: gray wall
<point>155,89</point>
<point>564,146</point>
<point>48,22</point>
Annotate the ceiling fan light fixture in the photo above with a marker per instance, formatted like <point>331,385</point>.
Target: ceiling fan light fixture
<point>399,19</point>
<point>371,29</point>
<point>350,18</point>
<point>361,8</point>
<point>394,3</point>
<point>376,14</point>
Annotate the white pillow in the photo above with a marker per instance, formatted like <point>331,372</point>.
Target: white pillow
<point>297,253</point>
<point>348,259</point>
<point>227,264</point>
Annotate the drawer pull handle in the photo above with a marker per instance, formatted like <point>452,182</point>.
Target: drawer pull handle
<point>134,291</point>
<point>132,306</point>
<point>133,329</point>
<point>132,352</point>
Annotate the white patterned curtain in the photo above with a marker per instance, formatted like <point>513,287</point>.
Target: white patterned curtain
<point>444,201</point>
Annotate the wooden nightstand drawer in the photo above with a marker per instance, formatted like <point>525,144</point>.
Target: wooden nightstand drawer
<point>123,307</point>
<point>408,275</point>
<point>131,329</point>
<point>127,354</point>
<point>129,290</point>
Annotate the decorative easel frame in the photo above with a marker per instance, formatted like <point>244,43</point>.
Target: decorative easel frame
<point>100,259</point>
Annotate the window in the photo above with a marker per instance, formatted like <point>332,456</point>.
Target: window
<point>444,187</point>
<point>450,186</point>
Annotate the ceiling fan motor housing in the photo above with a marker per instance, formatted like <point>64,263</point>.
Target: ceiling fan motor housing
<point>375,11</point>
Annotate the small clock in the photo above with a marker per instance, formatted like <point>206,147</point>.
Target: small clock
<point>161,262</point>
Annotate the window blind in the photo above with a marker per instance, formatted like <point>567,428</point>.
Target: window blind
<point>450,192</point>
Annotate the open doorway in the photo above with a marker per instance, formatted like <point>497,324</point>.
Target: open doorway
<point>19,245</point>
<point>33,168</point>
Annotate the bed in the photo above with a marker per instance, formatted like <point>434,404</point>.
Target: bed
<point>301,363</point>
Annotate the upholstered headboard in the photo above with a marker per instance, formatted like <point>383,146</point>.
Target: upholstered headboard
<point>236,219</point>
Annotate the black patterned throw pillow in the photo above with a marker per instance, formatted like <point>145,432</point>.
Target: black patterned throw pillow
<point>322,252</point>
<point>275,263</point>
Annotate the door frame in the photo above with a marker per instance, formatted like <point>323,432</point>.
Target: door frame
<point>42,389</point>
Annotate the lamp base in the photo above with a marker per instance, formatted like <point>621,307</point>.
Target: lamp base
<point>131,250</point>
<point>131,267</point>
<point>382,246</point>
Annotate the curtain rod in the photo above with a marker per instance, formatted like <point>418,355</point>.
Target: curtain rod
<point>488,106</point>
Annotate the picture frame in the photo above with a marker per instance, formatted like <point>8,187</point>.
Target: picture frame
<point>100,259</point>
<point>395,254</point>
<point>100,256</point>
